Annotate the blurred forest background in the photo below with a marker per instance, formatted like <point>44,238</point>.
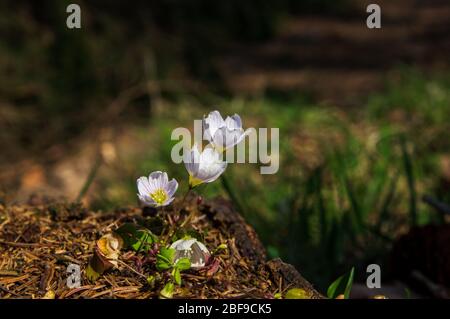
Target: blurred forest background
<point>364,115</point>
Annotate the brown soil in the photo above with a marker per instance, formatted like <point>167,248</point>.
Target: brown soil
<point>38,242</point>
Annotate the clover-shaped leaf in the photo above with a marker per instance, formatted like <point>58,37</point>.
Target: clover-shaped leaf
<point>176,275</point>
<point>144,240</point>
<point>136,237</point>
<point>183,264</point>
<point>164,260</point>
<point>167,291</point>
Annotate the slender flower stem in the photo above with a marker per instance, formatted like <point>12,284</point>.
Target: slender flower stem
<point>191,214</point>
<point>184,199</point>
<point>180,206</point>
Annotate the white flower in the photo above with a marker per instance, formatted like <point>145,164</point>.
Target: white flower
<point>157,190</point>
<point>223,134</point>
<point>203,167</point>
<point>192,249</point>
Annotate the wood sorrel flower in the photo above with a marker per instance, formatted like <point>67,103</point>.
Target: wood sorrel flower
<point>191,248</point>
<point>204,167</point>
<point>156,190</point>
<point>223,134</point>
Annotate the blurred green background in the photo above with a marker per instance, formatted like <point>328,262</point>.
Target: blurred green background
<point>364,115</point>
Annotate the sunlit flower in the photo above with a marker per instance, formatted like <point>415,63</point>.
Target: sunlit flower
<point>204,167</point>
<point>195,251</point>
<point>223,134</point>
<point>156,190</point>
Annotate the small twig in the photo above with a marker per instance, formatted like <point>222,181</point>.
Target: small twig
<point>8,291</point>
<point>47,277</point>
<point>131,268</point>
<point>66,258</point>
<point>12,273</point>
<point>439,206</point>
<point>11,243</point>
<point>436,290</point>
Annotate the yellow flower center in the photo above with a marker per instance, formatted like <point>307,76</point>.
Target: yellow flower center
<point>159,196</point>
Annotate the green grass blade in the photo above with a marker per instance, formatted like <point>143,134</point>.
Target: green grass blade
<point>409,171</point>
<point>342,285</point>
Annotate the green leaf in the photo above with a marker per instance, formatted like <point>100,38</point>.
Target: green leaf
<point>407,293</point>
<point>162,264</point>
<point>167,291</point>
<point>183,264</point>
<point>297,293</point>
<point>144,240</point>
<point>136,237</point>
<point>168,253</point>
<point>176,275</point>
<point>342,285</point>
<point>164,260</point>
<point>409,170</point>
<point>348,286</point>
<point>128,233</point>
<point>151,280</point>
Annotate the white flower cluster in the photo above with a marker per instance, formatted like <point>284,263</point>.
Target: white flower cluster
<point>203,166</point>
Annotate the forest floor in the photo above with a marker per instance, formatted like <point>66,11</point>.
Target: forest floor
<point>38,242</point>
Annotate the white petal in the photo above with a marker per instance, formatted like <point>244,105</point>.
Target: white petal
<point>219,138</point>
<point>171,187</point>
<point>158,179</point>
<point>143,186</point>
<point>192,160</point>
<point>234,137</point>
<point>218,170</point>
<point>206,130</point>
<point>209,155</point>
<point>164,179</point>
<point>187,160</point>
<point>237,120</point>
<point>176,243</point>
<point>202,247</point>
<point>183,244</point>
<point>155,175</point>
<point>146,200</point>
<point>234,122</point>
<point>168,201</point>
<point>212,123</point>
